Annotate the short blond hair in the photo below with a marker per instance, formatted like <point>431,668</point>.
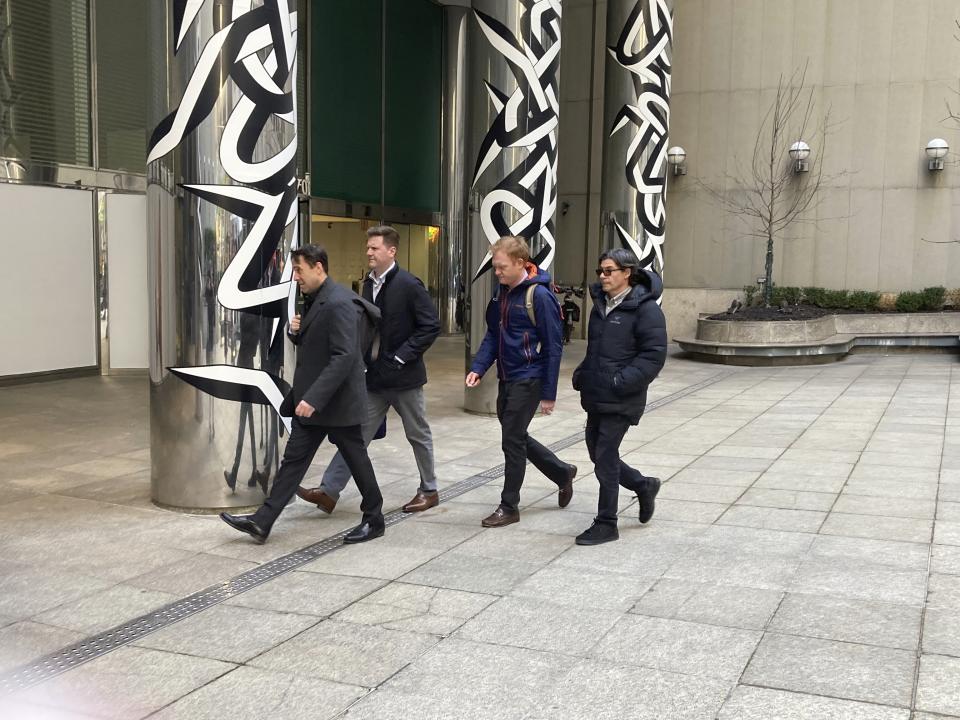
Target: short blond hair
<point>515,248</point>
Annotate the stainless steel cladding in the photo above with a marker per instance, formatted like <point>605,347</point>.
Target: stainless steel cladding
<point>452,276</point>
<point>222,215</point>
<point>514,109</point>
<point>636,126</point>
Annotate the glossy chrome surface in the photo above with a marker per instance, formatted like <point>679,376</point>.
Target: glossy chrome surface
<point>632,131</point>
<point>200,444</point>
<point>489,67</point>
<point>452,278</point>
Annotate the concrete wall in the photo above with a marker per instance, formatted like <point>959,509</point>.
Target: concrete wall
<point>887,70</point>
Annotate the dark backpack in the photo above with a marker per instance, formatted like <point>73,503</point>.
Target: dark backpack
<point>369,330</point>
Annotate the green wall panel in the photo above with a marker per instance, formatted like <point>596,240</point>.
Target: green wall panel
<point>345,86</point>
<point>414,97</point>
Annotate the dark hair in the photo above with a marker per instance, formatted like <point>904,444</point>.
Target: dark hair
<point>391,238</point>
<point>311,254</point>
<point>624,259</point>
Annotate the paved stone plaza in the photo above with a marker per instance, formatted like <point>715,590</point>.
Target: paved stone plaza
<point>804,562</point>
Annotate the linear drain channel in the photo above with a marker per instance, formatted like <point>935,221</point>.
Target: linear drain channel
<point>58,662</point>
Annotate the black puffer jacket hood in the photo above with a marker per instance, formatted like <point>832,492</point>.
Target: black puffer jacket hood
<point>626,350</point>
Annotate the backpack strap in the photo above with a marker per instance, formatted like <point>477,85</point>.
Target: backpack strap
<point>528,302</point>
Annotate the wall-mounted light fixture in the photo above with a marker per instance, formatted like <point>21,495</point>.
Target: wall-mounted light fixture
<point>800,151</point>
<point>936,150</point>
<point>676,157</point>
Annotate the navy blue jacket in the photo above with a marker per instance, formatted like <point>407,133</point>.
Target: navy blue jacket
<point>625,351</point>
<point>520,348</point>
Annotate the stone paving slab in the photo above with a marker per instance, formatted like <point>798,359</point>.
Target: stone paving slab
<point>836,669</point>
<point>281,696</point>
<point>808,521</point>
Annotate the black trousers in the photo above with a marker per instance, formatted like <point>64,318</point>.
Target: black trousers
<point>301,447</point>
<point>603,435</point>
<point>517,403</point>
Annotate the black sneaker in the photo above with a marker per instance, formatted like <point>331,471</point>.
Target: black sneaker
<point>598,533</point>
<point>646,499</point>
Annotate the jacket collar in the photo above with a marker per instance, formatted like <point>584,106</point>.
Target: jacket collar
<point>323,292</point>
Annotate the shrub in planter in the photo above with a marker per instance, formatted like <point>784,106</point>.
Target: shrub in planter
<point>786,295</point>
<point>864,300</point>
<point>836,299</point>
<point>814,295</point>
<point>749,294</point>
<point>933,298</point>
<point>952,298</point>
<point>910,301</point>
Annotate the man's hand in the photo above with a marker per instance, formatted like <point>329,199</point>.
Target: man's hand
<point>304,409</point>
<point>295,324</point>
<point>547,406</point>
<point>473,379</point>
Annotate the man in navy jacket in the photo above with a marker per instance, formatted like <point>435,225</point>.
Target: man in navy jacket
<point>626,349</point>
<point>526,344</point>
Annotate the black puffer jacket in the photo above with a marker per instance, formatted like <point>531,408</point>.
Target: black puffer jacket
<point>408,326</point>
<point>625,351</point>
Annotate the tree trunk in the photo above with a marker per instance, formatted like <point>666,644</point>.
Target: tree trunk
<point>768,281</point>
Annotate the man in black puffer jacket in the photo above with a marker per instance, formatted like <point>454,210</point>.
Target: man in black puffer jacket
<point>395,377</point>
<point>626,349</point>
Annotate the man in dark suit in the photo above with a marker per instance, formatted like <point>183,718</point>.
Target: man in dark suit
<point>395,378</point>
<point>327,400</point>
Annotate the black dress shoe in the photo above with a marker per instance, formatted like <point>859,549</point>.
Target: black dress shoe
<point>598,533</point>
<point>646,498</point>
<point>365,531</point>
<point>245,523</point>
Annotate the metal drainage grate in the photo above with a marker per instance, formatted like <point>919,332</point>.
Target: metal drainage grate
<point>58,662</point>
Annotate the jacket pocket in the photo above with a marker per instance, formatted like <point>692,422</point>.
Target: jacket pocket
<point>528,354</point>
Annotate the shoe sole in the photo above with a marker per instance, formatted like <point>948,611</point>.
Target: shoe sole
<point>260,540</point>
<point>407,509</point>
<point>652,500</point>
<point>499,524</point>
<point>578,541</point>
<point>573,475</point>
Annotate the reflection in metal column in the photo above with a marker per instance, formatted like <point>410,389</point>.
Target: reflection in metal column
<point>513,95</point>
<point>636,123</point>
<point>222,215</point>
<point>451,282</point>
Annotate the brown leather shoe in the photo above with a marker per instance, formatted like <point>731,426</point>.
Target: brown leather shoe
<point>422,501</point>
<point>501,517</point>
<point>318,498</point>
<point>566,490</point>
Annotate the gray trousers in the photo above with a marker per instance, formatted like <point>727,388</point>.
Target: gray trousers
<point>412,409</point>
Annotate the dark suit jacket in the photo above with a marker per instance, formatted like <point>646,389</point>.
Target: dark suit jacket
<point>409,324</point>
<point>329,372</point>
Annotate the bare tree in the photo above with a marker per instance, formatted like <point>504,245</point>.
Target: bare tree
<point>770,195</point>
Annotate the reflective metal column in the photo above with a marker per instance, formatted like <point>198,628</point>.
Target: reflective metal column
<point>636,125</point>
<point>513,93</point>
<point>452,281</point>
<point>222,214</point>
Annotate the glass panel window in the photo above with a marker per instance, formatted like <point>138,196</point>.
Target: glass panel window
<point>45,81</point>
<point>122,84</point>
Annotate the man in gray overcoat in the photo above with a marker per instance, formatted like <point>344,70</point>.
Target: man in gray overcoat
<point>328,398</point>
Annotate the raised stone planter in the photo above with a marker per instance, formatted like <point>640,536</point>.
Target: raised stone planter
<point>822,340</point>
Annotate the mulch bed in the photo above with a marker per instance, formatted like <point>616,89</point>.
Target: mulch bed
<point>793,312</point>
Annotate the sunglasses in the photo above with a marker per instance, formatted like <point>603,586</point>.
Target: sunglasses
<point>607,272</point>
